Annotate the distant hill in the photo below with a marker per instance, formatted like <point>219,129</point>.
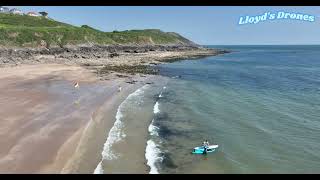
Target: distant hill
<point>28,31</point>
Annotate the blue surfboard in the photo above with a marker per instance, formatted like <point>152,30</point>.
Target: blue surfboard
<point>200,149</point>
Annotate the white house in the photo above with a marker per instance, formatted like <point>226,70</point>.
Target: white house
<point>33,14</point>
<point>16,11</point>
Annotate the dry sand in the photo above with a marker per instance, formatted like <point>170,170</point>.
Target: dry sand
<point>49,126</point>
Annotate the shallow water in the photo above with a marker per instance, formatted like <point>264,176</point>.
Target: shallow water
<point>124,150</point>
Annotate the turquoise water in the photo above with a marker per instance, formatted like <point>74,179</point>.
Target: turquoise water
<point>261,104</point>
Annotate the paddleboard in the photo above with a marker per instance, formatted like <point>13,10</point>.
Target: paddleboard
<point>200,149</point>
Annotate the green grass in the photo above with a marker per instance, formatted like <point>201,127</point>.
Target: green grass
<point>29,21</point>
<point>27,31</point>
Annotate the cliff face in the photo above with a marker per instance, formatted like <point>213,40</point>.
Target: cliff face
<point>34,32</point>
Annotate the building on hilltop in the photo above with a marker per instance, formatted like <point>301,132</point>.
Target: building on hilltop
<point>16,11</point>
<point>44,14</point>
<point>33,14</point>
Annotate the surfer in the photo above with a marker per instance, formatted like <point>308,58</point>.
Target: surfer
<point>205,143</point>
<point>205,146</point>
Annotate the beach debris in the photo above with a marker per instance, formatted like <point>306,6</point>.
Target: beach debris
<point>120,75</point>
<point>111,55</point>
<point>131,82</point>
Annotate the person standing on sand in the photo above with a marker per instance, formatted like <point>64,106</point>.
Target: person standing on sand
<point>76,85</point>
<point>119,89</point>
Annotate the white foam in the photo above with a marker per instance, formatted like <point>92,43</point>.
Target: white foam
<point>153,130</point>
<point>160,95</point>
<point>98,169</point>
<point>156,108</point>
<point>114,136</point>
<point>152,156</point>
<point>164,87</point>
<point>115,133</point>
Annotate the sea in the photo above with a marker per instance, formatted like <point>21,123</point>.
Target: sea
<point>260,104</point>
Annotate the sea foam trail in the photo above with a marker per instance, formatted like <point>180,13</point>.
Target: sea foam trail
<point>153,130</point>
<point>115,133</point>
<point>152,156</point>
<point>98,169</point>
<point>160,95</point>
<point>152,151</point>
<point>156,108</point>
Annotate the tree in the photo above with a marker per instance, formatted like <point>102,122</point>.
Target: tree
<point>45,14</point>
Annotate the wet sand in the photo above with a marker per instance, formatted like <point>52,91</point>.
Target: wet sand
<point>49,126</point>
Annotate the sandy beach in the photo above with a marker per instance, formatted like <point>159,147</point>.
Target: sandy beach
<point>48,125</point>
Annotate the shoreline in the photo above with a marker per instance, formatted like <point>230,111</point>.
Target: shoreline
<point>50,124</point>
<point>69,143</point>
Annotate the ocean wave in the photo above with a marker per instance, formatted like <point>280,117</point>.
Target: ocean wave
<point>114,136</point>
<point>156,108</point>
<point>152,151</point>
<point>152,156</point>
<point>153,130</point>
<point>99,169</point>
<point>115,133</point>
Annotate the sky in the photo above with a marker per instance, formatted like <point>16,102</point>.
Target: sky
<point>206,25</point>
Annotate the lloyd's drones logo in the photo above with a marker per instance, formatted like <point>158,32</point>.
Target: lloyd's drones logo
<point>274,16</point>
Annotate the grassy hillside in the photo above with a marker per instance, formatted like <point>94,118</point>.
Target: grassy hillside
<point>26,31</point>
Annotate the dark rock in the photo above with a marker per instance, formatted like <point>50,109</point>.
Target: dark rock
<point>113,55</point>
<point>120,75</point>
<point>130,82</point>
<point>5,61</point>
<point>86,64</point>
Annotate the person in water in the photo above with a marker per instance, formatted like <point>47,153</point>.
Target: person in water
<point>206,143</point>
<point>205,146</point>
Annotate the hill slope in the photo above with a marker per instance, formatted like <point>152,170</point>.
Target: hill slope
<point>27,31</point>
